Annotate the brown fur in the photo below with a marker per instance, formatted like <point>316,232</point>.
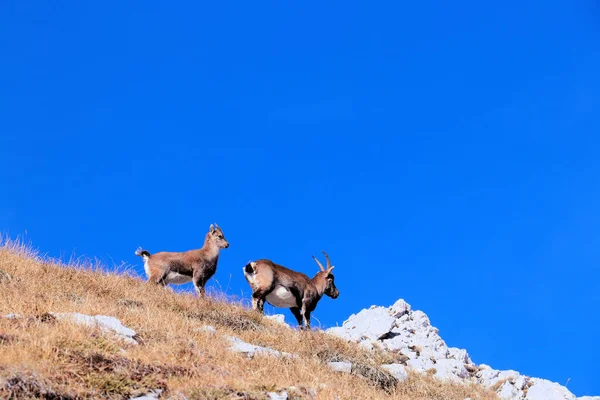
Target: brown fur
<point>197,266</point>
<point>265,278</point>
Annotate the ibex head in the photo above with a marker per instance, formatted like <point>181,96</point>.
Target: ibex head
<point>330,289</point>
<point>215,235</point>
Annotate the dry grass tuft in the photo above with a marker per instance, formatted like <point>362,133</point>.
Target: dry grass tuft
<point>235,322</point>
<point>23,386</point>
<point>422,386</point>
<point>41,357</point>
<point>378,377</point>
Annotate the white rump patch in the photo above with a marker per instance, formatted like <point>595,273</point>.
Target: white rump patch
<point>146,267</point>
<point>281,297</point>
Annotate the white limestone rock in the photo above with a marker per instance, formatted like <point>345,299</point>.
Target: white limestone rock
<point>409,353</point>
<point>413,333</point>
<point>400,329</point>
<point>399,309</point>
<point>371,324</point>
<point>421,319</point>
<point>279,318</point>
<point>366,344</point>
<point>420,364</point>
<point>340,366</point>
<point>338,331</point>
<point>278,396</point>
<point>459,354</point>
<point>152,395</point>
<point>450,369</point>
<point>397,370</point>
<point>239,346</point>
<point>521,382</point>
<point>509,392</point>
<point>542,389</point>
<point>489,377</point>
<point>105,323</point>
<point>12,316</point>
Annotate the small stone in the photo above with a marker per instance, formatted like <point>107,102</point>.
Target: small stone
<point>152,395</point>
<point>278,396</point>
<point>340,366</point>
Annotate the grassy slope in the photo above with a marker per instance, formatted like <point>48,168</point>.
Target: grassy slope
<point>41,357</point>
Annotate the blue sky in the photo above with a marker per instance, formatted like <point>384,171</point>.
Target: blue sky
<point>446,154</point>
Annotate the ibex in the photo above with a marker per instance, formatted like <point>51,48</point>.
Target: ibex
<point>177,268</point>
<point>282,287</point>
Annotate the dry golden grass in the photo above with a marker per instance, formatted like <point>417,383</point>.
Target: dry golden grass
<point>44,358</point>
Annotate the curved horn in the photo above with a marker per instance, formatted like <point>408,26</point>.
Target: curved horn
<point>216,226</point>
<point>318,263</point>
<point>327,258</point>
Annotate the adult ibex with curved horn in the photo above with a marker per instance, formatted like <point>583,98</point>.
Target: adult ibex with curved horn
<point>282,287</point>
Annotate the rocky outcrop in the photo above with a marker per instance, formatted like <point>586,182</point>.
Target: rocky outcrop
<point>400,329</point>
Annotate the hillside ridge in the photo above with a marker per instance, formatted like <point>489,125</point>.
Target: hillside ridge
<point>78,331</point>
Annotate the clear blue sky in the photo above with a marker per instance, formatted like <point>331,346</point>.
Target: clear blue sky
<point>446,154</point>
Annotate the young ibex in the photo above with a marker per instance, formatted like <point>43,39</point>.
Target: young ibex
<point>282,287</point>
<point>181,267</point>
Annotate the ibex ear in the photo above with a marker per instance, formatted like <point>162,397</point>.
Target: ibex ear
<point>330,269</point>
<point>211,227</point>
